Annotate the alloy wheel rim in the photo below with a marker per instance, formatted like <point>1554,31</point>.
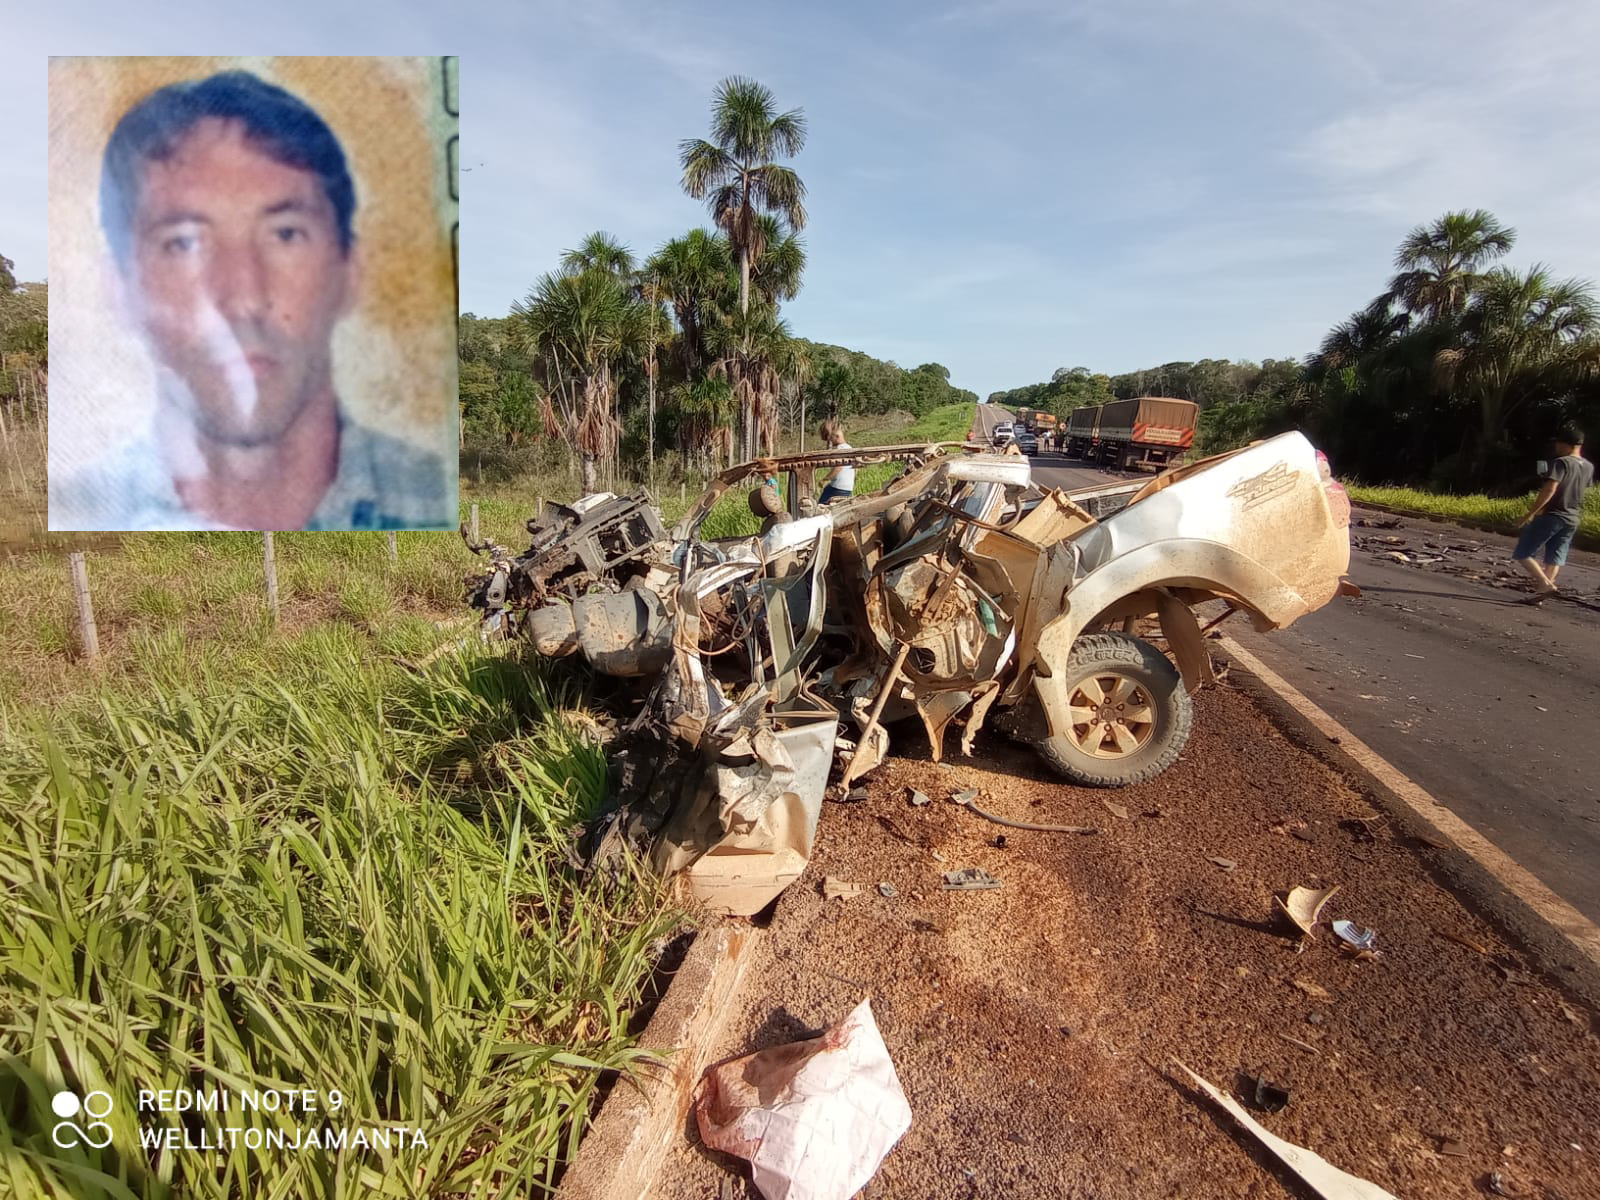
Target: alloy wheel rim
<point>1113,716</point>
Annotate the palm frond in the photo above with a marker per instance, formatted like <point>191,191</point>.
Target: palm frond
<point>704,166</point>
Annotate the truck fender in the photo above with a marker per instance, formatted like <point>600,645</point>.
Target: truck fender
<point>1171,563</point>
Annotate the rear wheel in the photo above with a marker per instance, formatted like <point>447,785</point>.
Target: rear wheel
<point>1117,712</point>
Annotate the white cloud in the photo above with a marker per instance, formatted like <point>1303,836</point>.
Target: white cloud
<point>1501,123</point>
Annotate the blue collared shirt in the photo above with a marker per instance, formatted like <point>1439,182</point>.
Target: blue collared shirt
<point>381,482</point>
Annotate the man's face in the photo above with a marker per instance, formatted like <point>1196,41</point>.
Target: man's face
<point>237,280</point>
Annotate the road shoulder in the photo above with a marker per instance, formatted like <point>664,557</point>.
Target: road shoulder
<point>1562,941</point>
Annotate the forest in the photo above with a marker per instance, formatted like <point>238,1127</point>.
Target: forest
<point>1452,378</point>
<point>682,355</point>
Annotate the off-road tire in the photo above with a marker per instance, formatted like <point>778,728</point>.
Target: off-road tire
<point>1129,657</point>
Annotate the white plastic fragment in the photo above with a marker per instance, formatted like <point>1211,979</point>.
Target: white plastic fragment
<point>814,1118</point>
<point>1318,1173</point>
<point>1353,934</point>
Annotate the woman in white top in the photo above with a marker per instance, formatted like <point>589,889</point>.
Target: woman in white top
<point>840,481</point>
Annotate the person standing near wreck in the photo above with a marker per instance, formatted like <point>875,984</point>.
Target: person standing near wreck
<point>1553,520</point>
<point>840,482</point>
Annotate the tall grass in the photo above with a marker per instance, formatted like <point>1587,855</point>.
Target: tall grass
<point>342,876</point>
<point>210,587</point>
<point>1504,514</point>
<point>22,467</point>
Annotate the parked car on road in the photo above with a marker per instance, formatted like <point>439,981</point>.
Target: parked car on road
<point>1026,442</point>
<point>1002,433</point>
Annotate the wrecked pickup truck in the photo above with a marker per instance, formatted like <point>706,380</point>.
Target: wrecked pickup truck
<point>959,591</point>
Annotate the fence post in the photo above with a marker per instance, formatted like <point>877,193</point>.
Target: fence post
<point>88,636</point>
<point>394,547</point>
<point>270,562</point>
<point>474,522</point>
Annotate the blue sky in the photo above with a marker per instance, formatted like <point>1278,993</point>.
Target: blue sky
<point>1002,186</point>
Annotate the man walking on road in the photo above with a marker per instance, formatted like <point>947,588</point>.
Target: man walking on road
<point>1554,518</point>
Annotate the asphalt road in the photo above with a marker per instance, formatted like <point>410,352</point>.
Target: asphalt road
<point>1487,703</point>
<point>988,417</point>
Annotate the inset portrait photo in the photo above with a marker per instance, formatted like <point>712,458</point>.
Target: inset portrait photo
<point>253,293</point>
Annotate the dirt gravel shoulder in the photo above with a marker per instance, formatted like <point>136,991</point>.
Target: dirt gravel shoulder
<point>1033,1027</point>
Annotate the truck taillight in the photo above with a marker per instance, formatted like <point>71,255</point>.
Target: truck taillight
<point>1338,498</point>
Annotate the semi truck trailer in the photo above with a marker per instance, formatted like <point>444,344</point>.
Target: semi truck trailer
<point>1142,430</point>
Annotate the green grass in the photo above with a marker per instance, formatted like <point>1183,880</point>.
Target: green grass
<point>1502,514</point>
<point>335,874</point>
<point>246,854</point>
<point>948,423</point>
<point>212,586</point>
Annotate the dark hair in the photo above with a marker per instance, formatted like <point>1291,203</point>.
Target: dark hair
<point>1570,435</point>
<point>285,127</point>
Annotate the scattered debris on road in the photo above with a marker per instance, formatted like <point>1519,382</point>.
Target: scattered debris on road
<point>814,1118</point>
<point>1269,1096</point>
<point>972,991</point>
<point>839,889</point>
<point>1311,988</point>
<point>967,800</point>
<point>1303,906</point>
<point>1471,559</point>
<point>969,879</point>
<point>1316,1172</point>
<point>1353,935</point>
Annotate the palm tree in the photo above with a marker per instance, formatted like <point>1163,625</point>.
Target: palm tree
<point>578,326</point>
<point>600,251</point>
<point>775,276</point>
<point>736,171</point>
<point>706,410</point>
<point>1522,336</point>
<point>753,348</point>
<point>1354,341</point>
<point>833,387</point>
<point>690,273</point>
<point>1440,264</point>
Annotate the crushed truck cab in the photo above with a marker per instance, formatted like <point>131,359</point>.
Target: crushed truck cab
<point>961,593</point>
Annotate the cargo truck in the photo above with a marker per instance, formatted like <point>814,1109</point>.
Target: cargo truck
<point>1083,426</point>
<point>1150,430</point>
<point>1143,430</point>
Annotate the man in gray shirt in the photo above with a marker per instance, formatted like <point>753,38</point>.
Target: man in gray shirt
<point>1548,528</point>
<point>228,205</point>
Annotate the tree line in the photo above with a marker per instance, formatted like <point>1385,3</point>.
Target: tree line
<point>614,357</point>
<point>1453,377</point>
<point>24,339</point>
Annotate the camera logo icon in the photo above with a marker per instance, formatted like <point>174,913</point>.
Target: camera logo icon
<point>95,1106</point>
